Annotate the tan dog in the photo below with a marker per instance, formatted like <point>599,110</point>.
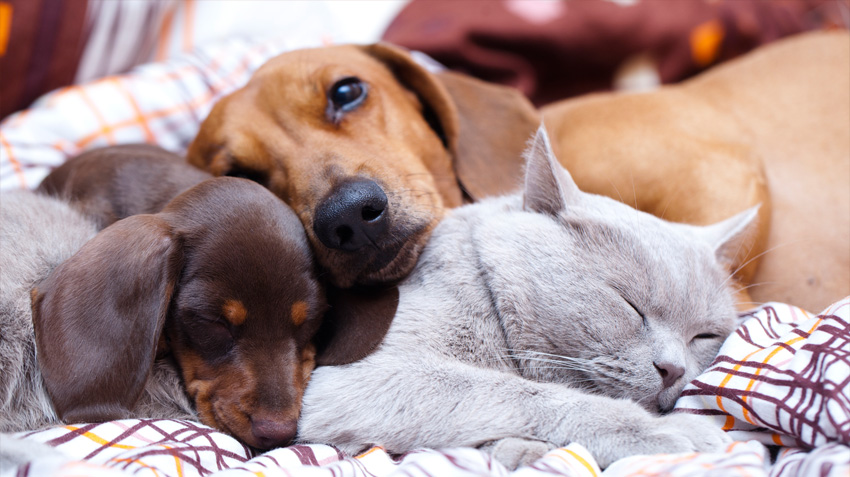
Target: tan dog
<point>369,148</point>
<point>772,127</point>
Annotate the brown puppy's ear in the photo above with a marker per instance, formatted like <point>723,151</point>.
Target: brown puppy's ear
<point>98,318</point>
<point>484,126</point>
<point>355,324</point>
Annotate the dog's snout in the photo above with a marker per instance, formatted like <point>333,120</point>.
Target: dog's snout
<point>353,216</point>
<point>269,434</point>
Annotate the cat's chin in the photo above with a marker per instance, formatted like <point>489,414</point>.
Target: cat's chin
<point>666,399</point>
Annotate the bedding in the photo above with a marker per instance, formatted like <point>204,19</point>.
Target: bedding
<point>554,50</point>
<point>157,103</point>
<point>780,386</point>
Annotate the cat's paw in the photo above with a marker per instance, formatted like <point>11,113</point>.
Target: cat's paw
<point>694,433</point>
<point>671,434</point>
<point>513,452</point>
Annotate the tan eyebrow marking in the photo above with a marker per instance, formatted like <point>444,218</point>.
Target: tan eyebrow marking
<point>234,311</point>
<point>299,312</point>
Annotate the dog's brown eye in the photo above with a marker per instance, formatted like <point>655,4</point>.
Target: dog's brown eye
<point>251,175</point>
<point>346,94</point>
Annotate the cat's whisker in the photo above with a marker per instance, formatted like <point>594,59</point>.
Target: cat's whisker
<point>670,200</point>
<point>541,353</point>
<point>753,285</point>
<point>616,190</point>
<point>555,359</point>
<point>634,192</point>
<point>557,364</point>
<point>561,367</point>
<point>740,267</point>
<point>536,360</point>
<point>637,210</point>
<point>620,196</point>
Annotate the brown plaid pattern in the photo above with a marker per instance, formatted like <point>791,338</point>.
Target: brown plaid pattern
<point>783,378</point>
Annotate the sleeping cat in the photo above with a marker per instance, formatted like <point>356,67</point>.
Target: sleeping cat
<point>536,320</point>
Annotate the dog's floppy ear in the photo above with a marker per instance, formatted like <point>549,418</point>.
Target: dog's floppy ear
<point>484,126</point>
<point>495,123</point>
<point>355,324</point>
<point>98,318</point>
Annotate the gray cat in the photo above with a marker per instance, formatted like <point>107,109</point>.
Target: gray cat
<point>536,320</point>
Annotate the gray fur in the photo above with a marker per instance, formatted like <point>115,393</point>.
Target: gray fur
<point>37,233</point>
<point>512,333</point>
<point>42,458</point>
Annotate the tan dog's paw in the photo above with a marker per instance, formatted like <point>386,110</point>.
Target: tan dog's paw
<point>515,452</point>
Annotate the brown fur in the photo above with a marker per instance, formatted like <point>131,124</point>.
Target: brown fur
<point>111,183</point>
<point>167,283</point>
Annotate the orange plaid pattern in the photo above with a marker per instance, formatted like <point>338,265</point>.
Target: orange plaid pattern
<point>158,103</point>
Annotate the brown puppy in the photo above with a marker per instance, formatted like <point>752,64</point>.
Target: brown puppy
<point>368,148</point>
<point>111,183</point>
<point>772,127</point>
<point>222,281</point>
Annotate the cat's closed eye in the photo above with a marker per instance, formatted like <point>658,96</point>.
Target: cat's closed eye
<point>640,313</point>
<point>706,336</point>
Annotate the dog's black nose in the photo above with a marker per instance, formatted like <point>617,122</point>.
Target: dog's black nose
<point>269,434</point>
<point>353,216</point>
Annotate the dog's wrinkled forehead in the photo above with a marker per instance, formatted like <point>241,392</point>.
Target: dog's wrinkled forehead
<point>305,63</point>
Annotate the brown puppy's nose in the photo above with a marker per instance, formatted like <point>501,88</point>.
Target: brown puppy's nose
<point>353,216</point>
<point>270,434</point>
<point>669,373</point>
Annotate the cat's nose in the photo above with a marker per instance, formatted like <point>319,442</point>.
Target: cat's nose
<point>669,372</point>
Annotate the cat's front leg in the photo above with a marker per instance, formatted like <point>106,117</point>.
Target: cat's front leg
<point>612,429</point>
<point>402,403</point>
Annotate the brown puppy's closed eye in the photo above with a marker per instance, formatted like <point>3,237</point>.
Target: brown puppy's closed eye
<point>222,277</point>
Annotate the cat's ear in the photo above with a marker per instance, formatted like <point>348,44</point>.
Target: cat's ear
<point>549,188</point>
<point>729,236</point>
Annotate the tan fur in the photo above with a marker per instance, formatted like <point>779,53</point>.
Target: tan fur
<point>234,312</point>
<point>299,312</point>
<point>772,127</point>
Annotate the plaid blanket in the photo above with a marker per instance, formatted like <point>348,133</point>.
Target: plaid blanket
<point>157,103</point>
<point>779,386</point>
